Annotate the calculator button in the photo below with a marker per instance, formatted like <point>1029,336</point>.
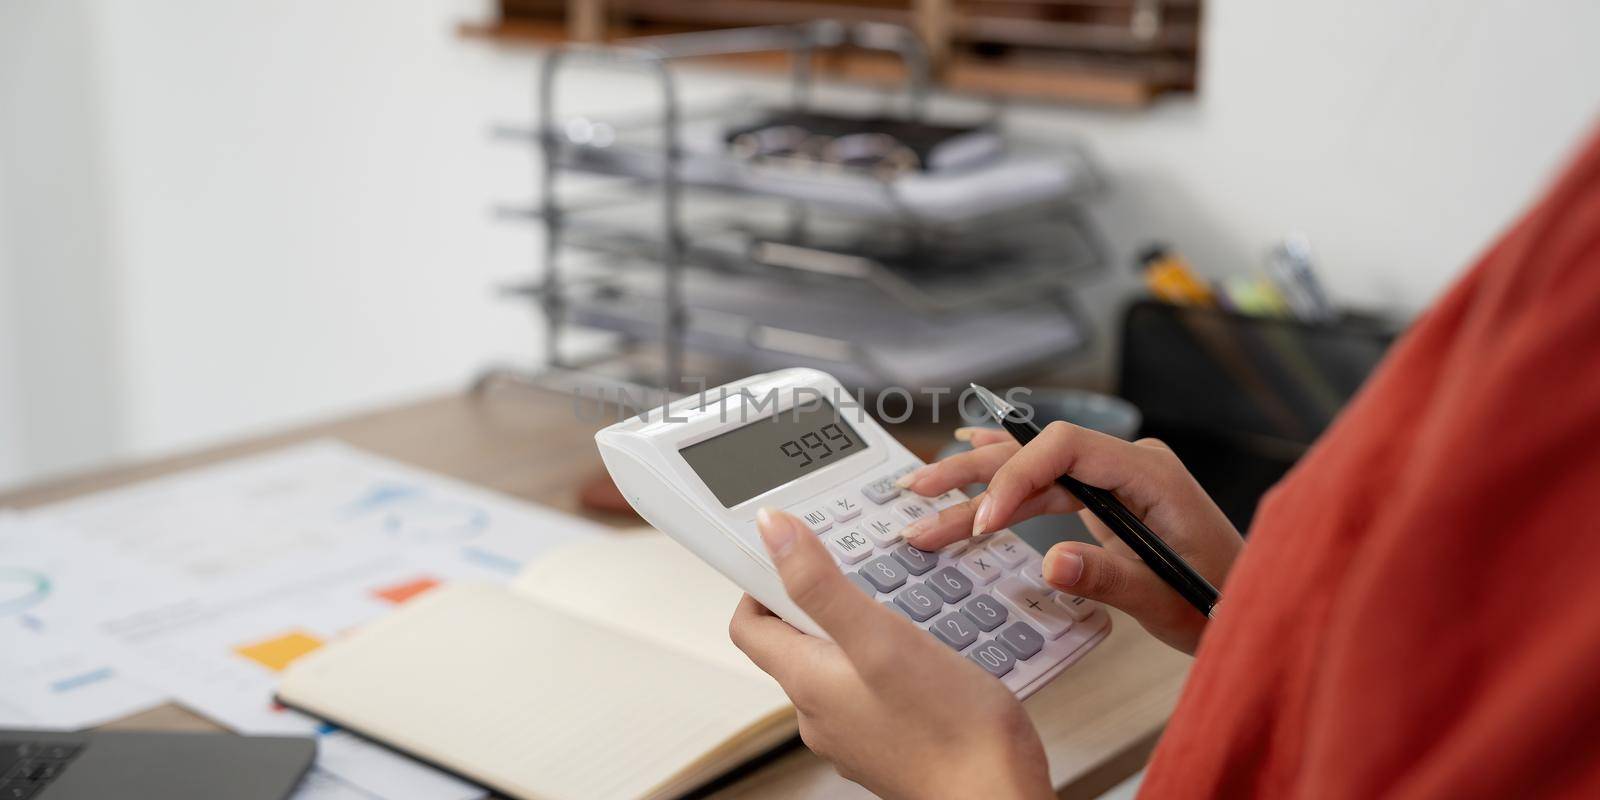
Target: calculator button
<point>950,584</point>
<point>910,511</point>
<point>918,603</point>
<point>883,532</point>
<point>861,583</point>
<point>1035,606</point>
<point>1022,640</point>
<point>898,610</point>
<point>1032,571</point>
<point>955,629</point>
<point>881,490</point>
<point>996,659</point>
<point>971,544</point>
<point>884,573</point>
<point>916,561</point>
<point>815,518</point>
<point>844,508</point>
<point>986,611</point>
<point>1009,549</point>
<point>982,566</point>
<point>1079,608</point>
<point>849,545</point>
<point>948,499</point>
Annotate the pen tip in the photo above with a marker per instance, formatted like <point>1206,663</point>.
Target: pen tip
<point>994,405</point>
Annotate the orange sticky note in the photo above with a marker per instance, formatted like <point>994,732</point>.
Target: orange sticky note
<point>279,651</point>
<point>400,592</point>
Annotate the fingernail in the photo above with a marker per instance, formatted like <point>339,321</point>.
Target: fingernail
<point>980,520</point>
<point>776,533</point>
<point>1063,569</point>
<point>916,529</point>
<point>965,434</point>
<point>905,481</point>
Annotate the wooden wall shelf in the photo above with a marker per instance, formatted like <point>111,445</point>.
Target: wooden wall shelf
<point>1115,53</point>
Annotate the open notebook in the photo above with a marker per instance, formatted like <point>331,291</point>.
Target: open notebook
<point>603,671</point>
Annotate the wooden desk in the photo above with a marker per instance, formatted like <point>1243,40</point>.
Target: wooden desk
<point>1099,720</point>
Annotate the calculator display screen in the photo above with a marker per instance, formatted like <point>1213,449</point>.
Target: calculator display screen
<point>752,459</point>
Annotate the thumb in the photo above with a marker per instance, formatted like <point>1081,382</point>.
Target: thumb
<point>816,585</point>
<point>1117,580</point>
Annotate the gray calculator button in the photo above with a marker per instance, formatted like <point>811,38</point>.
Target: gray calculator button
<point>881,490</point>
<point>918,603</point>
<point>884,573</point>
<point>991,656</point>
<point>916,561</point>
<point>862,583</point>
<point>986,611</point>
<point>950,584</point>
<point>1021,639</point>
<point>898,610</point>
<point>955,629</point>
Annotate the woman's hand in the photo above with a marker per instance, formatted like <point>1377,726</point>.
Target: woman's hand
<point>1145,475</point>
<point>891,707</point>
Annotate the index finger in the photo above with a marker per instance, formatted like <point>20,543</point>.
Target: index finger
<point>980,436</point>
<point>1092,457</point>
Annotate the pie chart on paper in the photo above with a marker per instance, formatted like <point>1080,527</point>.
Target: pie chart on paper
<point>410,514</point>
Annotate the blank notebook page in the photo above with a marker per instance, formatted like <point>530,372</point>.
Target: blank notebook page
<point>648,585</point>
<point>529,699</point>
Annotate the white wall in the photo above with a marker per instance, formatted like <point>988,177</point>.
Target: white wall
<point>11,452</point>
<point>57,316</point>
<point>1400,136</point>
<point>280,210</point>
<point>301,194</point>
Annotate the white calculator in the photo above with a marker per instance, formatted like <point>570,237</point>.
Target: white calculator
<point>795,439</point>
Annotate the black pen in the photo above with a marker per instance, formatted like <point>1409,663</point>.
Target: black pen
<point>1161,558</point>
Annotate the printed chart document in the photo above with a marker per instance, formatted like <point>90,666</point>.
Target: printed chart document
<point>204,586</point>
<point>604,671</point>
<point>56,670</point>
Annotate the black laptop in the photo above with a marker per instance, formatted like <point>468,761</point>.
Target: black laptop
<point>37,765</point>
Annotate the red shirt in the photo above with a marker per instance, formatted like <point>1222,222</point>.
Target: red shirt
<point>1417,610</point>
